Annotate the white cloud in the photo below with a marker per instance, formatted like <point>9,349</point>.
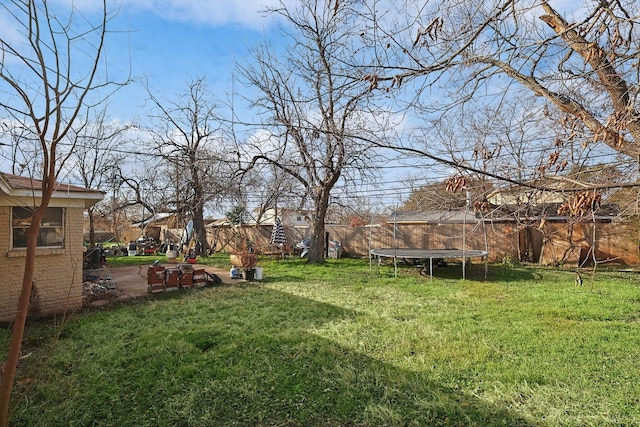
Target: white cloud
<point>247,13</point>
<point>209,12</point>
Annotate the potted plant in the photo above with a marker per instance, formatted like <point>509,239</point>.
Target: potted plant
<point>244,258</point>
<point>249,261</point>
<point>242,253</point>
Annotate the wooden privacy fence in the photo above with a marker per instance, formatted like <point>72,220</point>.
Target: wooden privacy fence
<point>556,243</point>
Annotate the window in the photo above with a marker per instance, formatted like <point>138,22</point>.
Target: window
<point>51,234</point>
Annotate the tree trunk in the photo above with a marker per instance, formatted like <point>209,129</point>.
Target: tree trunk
<point>317,229</point>
<point>13,354</point>
<point>200,231</point>
<point>316,249</point>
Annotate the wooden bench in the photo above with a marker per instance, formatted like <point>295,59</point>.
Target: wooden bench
<point>275,251</point>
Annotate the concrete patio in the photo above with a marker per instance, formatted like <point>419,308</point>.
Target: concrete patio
<point>131,281</point>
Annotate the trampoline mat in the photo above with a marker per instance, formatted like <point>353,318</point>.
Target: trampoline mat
<point>427,253</point>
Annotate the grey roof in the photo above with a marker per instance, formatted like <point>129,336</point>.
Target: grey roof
<point>606,212</point>
<point>432,217</point>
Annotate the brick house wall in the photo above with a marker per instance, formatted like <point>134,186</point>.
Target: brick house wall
<point>58,272</point>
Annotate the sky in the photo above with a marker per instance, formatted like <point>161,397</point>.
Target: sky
<point>168,43</point>
<point>165,44</point>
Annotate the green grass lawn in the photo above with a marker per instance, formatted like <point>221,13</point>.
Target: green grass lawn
<point>338,345</point>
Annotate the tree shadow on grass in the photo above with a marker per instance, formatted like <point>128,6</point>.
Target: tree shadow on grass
<point>296,377</point>
<point>247,356</point>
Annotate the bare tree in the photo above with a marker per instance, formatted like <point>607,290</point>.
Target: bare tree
<point>140,193</point>
<point>310,106</point>
<point>189,141</point>
<point>266,187</point>
<point>581,71</point>
<point>22,148</point>
<point>97,153</point>
<point>49,72</point>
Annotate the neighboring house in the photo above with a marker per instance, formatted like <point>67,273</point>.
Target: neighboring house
<point>289,217</point>
<point>157,227</point>
<point>436,217</point>
<point>59,257</point>
<point>547,233</point>
<point>221,235</point>
<point>517,195</point>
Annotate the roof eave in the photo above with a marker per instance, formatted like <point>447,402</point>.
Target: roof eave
<point>5,187</point>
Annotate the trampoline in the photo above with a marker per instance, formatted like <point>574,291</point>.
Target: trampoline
<point>430,254</point>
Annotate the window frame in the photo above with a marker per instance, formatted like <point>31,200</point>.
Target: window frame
<point>53,221</point>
